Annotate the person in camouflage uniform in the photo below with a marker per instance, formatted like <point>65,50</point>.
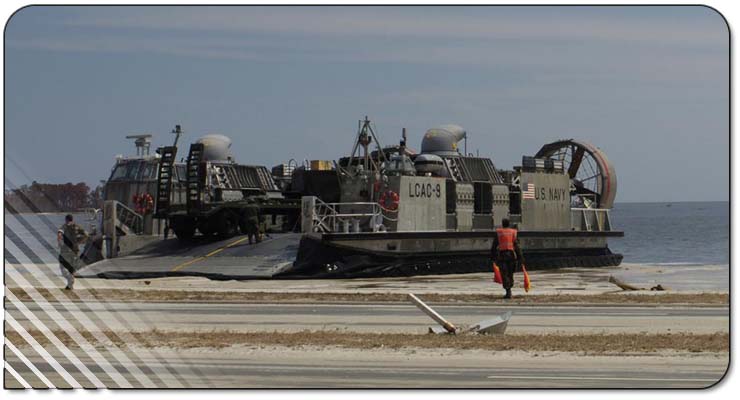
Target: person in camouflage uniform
<point>69,237</point>
<point>252,223</point>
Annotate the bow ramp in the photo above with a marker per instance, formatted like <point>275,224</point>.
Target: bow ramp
<point>222,259</point>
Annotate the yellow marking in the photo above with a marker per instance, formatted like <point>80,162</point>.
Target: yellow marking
<point>214,252</point>
<point>186,263</point>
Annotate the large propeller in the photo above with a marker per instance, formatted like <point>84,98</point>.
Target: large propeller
<point>593,180</point>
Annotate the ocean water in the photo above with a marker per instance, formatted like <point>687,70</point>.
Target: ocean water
<point>690,233</point>
<point>686,233</point>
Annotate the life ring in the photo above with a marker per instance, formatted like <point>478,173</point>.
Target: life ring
<point>389,200</point>
<point>143,203</point>
<point>148,203</point>
<point>136,199</point>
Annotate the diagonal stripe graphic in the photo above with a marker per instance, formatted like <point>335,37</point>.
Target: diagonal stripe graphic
<point>28,364</point>
<point>9,234</point>
<point>47,245</point>
<point>85,321</point>
<point>17,376</point>
<point>166,371</point>
<point>10,257</point>
<point>77,314</point>
<point>115,352</point>
<point>170,372</point>
<point>42,352</point>
<point>69,330</point>
<point>81,317</point>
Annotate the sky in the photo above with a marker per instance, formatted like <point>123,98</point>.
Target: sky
<point>648,85</point>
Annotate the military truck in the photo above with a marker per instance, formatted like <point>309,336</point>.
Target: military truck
<point>219,193</point>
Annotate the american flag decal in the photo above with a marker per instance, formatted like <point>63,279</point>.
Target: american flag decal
<point>529,193</point>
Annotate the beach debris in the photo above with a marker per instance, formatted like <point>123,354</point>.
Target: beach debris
<point>438,330</point>
<point>495,325</point>
<point>627,286</point>
<point>623,285</point>
<point>448,327</point>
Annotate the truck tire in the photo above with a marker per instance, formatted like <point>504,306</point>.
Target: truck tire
<point>184,228</point>
<point>243,224</point>
<point>227,224</point>
<point>205,229</point>
<point>184,232</point>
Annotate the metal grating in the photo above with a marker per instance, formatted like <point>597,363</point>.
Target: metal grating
<point>195,176</point>
<point>480,169</point>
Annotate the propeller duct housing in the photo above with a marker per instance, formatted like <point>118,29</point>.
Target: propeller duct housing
<point>589,169</point>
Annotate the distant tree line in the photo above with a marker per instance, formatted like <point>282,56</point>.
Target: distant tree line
<point>53,197</point>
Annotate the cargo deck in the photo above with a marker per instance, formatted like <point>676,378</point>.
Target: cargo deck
<point>232,258</point>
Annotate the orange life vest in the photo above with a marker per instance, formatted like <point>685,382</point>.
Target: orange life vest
<point>506,238</point>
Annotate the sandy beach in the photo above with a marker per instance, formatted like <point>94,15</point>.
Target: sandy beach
<point>564,328</point>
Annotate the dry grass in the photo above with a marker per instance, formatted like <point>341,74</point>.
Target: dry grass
<point>268,297</point>
<point>581,343</point>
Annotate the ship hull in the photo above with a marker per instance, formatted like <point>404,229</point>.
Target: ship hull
<point>425,253</point>
<point>354,255</point>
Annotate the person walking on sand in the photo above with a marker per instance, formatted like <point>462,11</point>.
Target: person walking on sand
<point>69,237</point>
<point>506,253</point>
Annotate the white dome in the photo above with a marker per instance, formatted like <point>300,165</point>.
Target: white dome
<point>216,147</point>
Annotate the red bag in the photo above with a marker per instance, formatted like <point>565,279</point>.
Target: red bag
<point>497,275</point>
<point>527,283</point>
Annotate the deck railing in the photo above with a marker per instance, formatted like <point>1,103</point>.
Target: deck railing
<point>590,219</point>
<point>322,217</point>
<point>126,219</point>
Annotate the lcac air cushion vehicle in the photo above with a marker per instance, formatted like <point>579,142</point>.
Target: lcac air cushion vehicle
<point>381,211</point>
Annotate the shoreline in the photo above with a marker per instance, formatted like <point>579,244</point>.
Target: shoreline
<point>575,282</point>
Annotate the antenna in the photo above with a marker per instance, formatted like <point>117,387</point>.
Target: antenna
<point>177,131</point>
<point>402,145</point>
<point>142,143</point>
<point>361,149</point>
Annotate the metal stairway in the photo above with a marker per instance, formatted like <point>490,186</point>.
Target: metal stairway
<point>164,180</point>
<point>128,221</point>
<point>194,180</point>
<point>457,169</point>
<point>222,179</point>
